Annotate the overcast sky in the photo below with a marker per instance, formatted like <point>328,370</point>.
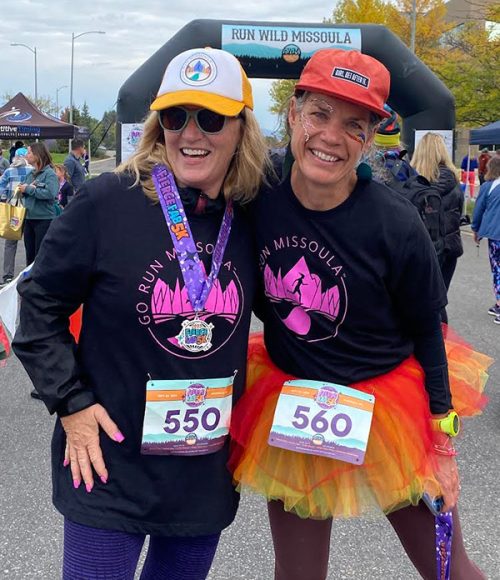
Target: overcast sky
<point>134,31</point>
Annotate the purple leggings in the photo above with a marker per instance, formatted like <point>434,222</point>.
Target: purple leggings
<point>95,554</point>
<point>302,547</point>
<point>494,252</point>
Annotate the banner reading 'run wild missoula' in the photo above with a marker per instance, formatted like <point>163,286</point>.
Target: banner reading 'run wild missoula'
<point>293,45</point>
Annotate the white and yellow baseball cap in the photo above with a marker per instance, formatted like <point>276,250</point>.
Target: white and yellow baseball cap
<point>205,77</point>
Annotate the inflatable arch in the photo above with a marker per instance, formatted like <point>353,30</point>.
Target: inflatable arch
<point>279,50</point>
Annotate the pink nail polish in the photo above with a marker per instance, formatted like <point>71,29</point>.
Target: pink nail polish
<point>118,437</point>
<point>76,483</point>
<point>88,487</point>
<point>104,479</point>
<point>66,463</point>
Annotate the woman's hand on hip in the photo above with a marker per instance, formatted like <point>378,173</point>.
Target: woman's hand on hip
<point>83,451</point>
<point>447,476</point>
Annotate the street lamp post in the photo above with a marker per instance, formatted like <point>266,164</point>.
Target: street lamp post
<point>73,38</point>
<point>33,50</point>
<point>57,97</point>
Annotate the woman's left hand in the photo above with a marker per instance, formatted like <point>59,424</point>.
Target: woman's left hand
<point>22,187</point>
<point>447,476</point>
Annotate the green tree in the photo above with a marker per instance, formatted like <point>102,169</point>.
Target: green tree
<point>366,12</point>
<point>430,24</point>
<point>359,11</point>
<point>466,58</point>
<point>471,71</point>
<point>107,129</point>
<point>102,132</point>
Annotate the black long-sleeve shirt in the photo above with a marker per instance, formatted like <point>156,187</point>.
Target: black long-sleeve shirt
<point>111,251</point>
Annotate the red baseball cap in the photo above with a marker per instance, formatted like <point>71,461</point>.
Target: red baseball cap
<point>348,75</point>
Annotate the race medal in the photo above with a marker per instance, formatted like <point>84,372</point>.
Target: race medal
<point>323,419</point>
<point>196,335</point>
<point>186,416</point>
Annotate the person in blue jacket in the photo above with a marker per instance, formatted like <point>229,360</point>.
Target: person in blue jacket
<point>73,164</point>
<point>9,181</point>
<point>486,224</point>
<point>39,191</point>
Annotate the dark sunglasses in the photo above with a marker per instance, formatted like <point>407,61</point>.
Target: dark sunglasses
<point>176,119</point>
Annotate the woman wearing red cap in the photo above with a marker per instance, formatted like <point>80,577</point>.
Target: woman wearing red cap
<point>348,407</point>
<point>160,254</point>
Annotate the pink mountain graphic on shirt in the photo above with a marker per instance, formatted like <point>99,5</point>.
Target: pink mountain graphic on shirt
<point>304,289</point>
<point>167,303</point>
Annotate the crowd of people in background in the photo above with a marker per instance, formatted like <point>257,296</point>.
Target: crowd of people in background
<point>46,189</point>
<point>389,161</point>
<point>12,177</point>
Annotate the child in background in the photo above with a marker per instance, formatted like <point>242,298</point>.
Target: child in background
<point>66,190</point>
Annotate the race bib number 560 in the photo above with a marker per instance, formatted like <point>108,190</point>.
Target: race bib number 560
<point>323,419</point>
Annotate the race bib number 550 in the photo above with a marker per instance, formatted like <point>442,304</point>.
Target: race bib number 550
<point>186,417</point>
<point>323,419</point>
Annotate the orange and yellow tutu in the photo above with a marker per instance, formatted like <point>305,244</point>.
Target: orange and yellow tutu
<point>399,463</point>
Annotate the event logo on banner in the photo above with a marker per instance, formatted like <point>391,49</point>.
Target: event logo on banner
<point>15,116</point>
<point>285,44</point>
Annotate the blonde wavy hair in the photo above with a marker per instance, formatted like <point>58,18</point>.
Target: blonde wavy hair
<point>429,155</point>
<point>246,172</point>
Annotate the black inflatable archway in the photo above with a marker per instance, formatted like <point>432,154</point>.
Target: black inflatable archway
<point>417,94</point>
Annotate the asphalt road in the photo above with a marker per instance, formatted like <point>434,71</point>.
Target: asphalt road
<point>102,165</point>
<point>30,528</point>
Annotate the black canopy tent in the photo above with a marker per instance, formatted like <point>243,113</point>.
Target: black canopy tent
<point>417,94</point>
<point>488,135</point>
<point>21,119</point>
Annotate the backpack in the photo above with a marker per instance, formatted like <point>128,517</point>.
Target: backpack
<point>426,198</point>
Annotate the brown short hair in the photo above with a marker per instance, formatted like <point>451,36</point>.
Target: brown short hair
<point>76,144</point>
<point>42,155</point>
<point>492,169</point>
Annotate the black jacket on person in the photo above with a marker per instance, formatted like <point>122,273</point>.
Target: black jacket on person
<point>99,253</point>
<point>66,193</point>
<point>453,201</point>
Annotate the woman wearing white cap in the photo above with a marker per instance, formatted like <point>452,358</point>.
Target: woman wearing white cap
<point>348,407</point>
<point>160,255</point>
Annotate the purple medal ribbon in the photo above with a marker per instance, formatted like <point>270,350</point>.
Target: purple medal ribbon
<point>198,285</point>
<point>444,535</point>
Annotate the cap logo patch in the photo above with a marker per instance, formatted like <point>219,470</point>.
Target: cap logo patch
<point>199,70</point>
<point>351,76</point>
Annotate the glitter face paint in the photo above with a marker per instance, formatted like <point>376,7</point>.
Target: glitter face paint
<point>320,116</point>
<point>306,125</point>
<point>323,103</point>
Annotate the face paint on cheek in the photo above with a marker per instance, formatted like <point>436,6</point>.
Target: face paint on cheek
<point>358,137</point>
<point>306,124</point>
